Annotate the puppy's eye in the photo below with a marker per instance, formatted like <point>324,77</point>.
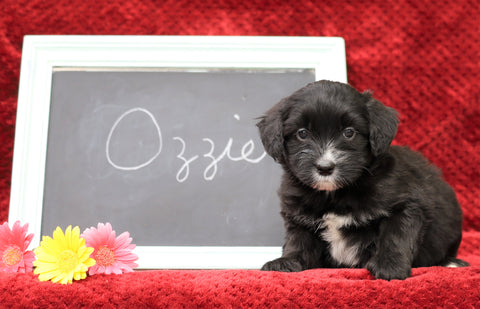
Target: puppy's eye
<point>302,134</point>
<point>349,133</point>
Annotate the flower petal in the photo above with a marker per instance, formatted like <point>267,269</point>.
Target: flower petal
<point>13,245</point>
<point>64,257</point>
<point>103,238</point>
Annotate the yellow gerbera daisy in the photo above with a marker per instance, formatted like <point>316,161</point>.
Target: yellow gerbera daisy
<point>63,257</point>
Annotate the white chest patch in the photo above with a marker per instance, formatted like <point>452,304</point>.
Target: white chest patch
<point>340,250</point>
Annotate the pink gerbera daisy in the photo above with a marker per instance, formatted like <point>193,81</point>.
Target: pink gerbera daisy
<point>14,242</point>
<point>112,254</point>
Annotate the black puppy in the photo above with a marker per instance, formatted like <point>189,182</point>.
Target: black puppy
<point>348,198</point>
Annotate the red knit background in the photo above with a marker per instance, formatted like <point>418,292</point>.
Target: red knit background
<point>420,58</point>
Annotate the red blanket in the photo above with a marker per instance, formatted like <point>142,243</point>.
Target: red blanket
<point>421,58</point>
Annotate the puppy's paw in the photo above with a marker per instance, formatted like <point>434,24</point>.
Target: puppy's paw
<point>283,264</point>
<point>454,262</point>
<point>389,272</point>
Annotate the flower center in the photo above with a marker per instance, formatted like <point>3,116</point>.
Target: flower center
<point>67,261</point>
<point>105,256</point>
<point>12,256</point>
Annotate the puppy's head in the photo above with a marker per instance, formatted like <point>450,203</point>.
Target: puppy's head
<point>327,133</point>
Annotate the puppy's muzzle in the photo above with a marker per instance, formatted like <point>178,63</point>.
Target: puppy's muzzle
<point>325,167</point>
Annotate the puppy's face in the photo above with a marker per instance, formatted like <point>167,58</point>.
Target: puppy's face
<point>326,134</point>
<point>326,143</point>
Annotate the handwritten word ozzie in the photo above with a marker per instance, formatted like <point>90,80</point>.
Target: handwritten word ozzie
<point>183,173</point>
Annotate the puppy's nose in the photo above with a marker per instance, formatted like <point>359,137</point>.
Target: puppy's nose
<point>325,167</point>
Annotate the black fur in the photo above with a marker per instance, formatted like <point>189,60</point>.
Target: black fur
<point>348,198</point>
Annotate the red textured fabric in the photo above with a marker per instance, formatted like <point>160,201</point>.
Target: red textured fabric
<point>254,289</point>
<point>420,57</point>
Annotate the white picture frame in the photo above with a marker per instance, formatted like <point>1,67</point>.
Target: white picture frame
<point>41,54</point>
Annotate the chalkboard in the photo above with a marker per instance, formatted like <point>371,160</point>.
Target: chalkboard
<point>171,156</point>
<point>156,134</point>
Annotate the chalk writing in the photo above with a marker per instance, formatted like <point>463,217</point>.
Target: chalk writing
<point>210,171</point>
<point>158,131</point>
<point>185,168</point>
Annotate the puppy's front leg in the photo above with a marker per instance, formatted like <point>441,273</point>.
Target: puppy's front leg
<point>301,251</point>
<point>396,246</point>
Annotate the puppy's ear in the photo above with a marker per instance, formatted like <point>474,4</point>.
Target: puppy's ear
<point>271,130</point>
<point>383,123</point>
